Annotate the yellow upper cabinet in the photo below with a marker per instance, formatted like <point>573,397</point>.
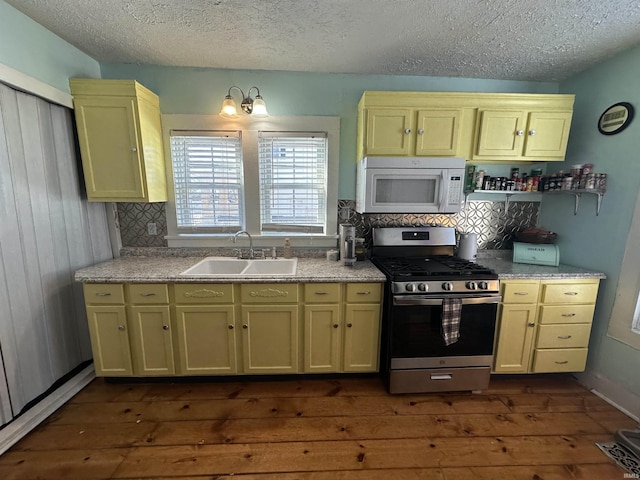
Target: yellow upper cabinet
<point>522,135</point>
<point>120,138</point>
<point>487,127</point>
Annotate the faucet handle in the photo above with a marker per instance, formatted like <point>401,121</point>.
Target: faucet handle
<point>260,254</point>
<point>238,253</point>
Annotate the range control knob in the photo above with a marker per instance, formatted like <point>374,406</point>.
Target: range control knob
<point>472,285</point>
<point>448,286</point>
<point>422,287</point>
<point>410,287</point>
<point>483,285</point>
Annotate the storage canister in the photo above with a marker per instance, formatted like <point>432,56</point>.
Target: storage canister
<point>587,168</point>
<point>591,181</point>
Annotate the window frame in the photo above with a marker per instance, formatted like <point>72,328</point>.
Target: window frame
<point>250,127</point>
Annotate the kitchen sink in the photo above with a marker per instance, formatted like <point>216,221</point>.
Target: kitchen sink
<point>232,267</point>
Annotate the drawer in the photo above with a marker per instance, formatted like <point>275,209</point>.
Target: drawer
<point>569,292</point>
<point>550,314</point>
<point>203,293</point>
<point>525,292</point>
<point>269,293</point>
<point>564,336</point>
<point>103,293</point>
<point>322,292</point>
<point>144,293</point>
<point>364,292</point>
<point>560,360</point>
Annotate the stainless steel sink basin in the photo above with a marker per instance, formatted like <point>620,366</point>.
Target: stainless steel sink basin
<point>231,267</point>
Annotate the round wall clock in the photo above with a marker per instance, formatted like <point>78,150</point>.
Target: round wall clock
<point>615,118</point>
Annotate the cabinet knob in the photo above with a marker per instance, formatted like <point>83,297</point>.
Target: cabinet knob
<point>245,326</point>
<point>532,132</point>
<point>407,131</point>
<point>165,327</point>
<point>520,133</point>
<point>121,327</point>
<point>134,149</point>
<point>349,325</point>
<point>531,324</point>
<point>230,327</point>
<point>335,325</point>
<point>420,132</point>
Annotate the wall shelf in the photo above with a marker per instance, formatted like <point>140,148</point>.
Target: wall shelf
<point>576,194</point>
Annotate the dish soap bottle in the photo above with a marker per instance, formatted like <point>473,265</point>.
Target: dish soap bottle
<point>287,248</point>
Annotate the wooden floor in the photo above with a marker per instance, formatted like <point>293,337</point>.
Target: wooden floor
<point>525,427</point>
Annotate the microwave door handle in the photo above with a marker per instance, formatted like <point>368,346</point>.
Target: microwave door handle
<point>443,187</point>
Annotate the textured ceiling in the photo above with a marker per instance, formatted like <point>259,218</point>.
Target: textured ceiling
<point>537,40</point>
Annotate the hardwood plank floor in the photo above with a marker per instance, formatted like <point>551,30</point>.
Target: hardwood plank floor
<point>523,427</point>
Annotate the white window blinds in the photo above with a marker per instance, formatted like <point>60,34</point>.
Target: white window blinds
<point>293,181</point>
<point>207,176</point>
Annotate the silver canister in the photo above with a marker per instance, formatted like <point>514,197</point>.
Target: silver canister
<point>347,244</point>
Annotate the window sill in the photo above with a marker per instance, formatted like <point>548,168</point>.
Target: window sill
<point>259,241</point>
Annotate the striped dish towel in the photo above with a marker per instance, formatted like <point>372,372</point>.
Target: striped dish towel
<point>451,311</point>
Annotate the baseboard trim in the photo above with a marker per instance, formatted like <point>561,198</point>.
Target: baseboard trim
<point>613,393</point>
<point>18,428</point>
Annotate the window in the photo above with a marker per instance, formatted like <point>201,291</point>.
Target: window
<point>274,177</point>
<point>293,181</point>
<point>207,178</point>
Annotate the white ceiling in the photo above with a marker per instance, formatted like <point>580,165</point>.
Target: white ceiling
<point>536,40</point>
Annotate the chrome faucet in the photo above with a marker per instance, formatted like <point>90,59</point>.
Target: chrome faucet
<point>244,232</point>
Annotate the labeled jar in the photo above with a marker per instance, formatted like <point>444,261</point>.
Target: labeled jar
<point>587,168</point>
<point>601,182</point>
<point>576,170</point>
<point>590,184</point>
<point>480,179</point>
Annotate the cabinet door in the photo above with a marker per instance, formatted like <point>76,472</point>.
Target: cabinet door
<point>515,337</point>
<point>387,131</point>
<point>270,338</point>
<point>438,132</point>
<point>206,339</point>
<point>110,148</point>
<point>322,334</point>
<point>361,337</point>
<point>108,330</point>
<point>151,340</point>
<point>500,134</point>
<point>547,135</point>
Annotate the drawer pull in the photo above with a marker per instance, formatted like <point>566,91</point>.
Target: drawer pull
<point>441,376</point>
<point>564,337</point>
<point>564,362</point>
<point>366,292</point>
<point>147,294</point>
<point>103,294</point>
<point>321,293</point>
<point>521,293</point>
<point>568,314</point>
<point>573,294</point>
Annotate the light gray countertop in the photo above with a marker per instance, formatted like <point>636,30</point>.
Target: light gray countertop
<point>163,269</point>
<point>160,268</point>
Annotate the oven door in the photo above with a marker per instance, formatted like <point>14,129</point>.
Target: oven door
<point>415,332</point>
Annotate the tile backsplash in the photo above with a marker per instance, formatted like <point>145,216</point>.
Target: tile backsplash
<point>488,219</point>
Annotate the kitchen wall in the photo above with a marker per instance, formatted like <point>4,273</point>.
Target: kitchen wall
<point>33,50</point>
<point>598,242</point>
<point>201,91</point>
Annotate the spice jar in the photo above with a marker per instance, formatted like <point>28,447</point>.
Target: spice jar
<point>587,168</point>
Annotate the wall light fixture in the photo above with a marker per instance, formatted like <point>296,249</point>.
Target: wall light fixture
<point>255,107</point>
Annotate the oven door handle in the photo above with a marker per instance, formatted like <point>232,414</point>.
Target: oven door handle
<point>408,300</point>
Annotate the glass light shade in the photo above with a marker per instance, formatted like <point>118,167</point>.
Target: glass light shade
<point>229,109</point>
<point>259,107</point>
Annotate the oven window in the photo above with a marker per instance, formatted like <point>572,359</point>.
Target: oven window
<point>416,331</point>
<point>405,190</point>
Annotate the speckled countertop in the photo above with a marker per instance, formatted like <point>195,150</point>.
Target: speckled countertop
<point>165,266</point>
<point>161,269</point>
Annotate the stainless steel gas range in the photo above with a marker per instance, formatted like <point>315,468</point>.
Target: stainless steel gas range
<point>440,312</point>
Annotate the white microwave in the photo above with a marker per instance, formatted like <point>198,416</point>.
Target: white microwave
<point>410,185</point>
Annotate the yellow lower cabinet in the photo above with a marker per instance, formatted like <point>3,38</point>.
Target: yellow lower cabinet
<point>516,326</point>
<point>270,339</point>
<point>151,340</point>
<point>361,338</point>
<point>322,338</point>
<point>560,360</point>
<point>206,339</point>
<point>108,329</point>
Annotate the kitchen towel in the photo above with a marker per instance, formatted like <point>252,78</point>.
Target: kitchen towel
<point>451,311</point>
